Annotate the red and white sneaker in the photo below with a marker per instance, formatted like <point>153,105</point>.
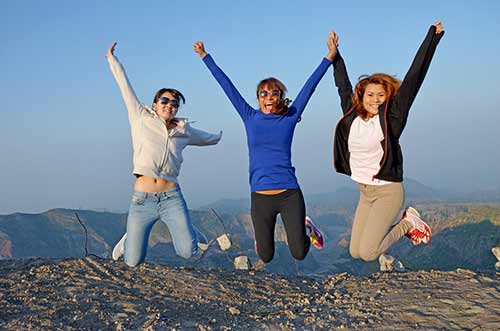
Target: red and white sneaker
<point>315,235</point>
<point>420,232</point>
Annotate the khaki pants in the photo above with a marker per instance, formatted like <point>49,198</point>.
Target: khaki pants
<point>373,229</point>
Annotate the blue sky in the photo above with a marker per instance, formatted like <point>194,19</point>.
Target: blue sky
<point>64,133</point>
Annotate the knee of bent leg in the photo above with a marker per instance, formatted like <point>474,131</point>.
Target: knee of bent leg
<point>299,254</point>
<point>186,248</point>
<point>368,254</point>
<point>131,261</point>
<point>354,252</point>
<point>266,256</point>
<point>133,258</point>
<point>185,252</point>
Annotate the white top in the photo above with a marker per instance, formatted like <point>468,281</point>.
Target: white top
<point>366,150</point>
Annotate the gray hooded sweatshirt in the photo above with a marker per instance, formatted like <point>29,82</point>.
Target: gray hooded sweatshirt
<point>157,150</point>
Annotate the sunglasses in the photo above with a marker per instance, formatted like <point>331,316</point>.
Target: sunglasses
<point>275,93</point>
<point>173,102</point>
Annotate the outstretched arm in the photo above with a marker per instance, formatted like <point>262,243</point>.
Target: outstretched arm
<point>199,137</point>
<point>308,89</point>
<point>241,106</point>
<point>341,78</point>
<point>416,74</point>
<point>133,105</point>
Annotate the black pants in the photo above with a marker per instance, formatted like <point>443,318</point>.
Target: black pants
<point>265,208</point>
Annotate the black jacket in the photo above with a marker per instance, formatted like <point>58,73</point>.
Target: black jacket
<point>393,114</point>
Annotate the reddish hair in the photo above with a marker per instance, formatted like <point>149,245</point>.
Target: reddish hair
<point>274,83</point>
<point>389,83</point>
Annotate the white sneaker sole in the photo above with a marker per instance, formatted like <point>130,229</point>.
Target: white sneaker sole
<point>119,248</point>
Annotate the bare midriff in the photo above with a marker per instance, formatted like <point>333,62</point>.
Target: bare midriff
<point>150,184</point>
<point>271,192</point>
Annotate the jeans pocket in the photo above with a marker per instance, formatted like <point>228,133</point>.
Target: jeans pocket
<point>138,198</point>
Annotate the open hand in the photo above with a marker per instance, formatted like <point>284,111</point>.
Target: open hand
<point>333,44</point>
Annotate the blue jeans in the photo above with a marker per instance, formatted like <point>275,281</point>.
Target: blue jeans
<point>145,209</point>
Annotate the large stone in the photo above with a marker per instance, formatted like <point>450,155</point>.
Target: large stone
<point>385,262</point>
<point>388,263</point>
<point>398,266</point>
<point>241,262</point>
<point>224,242</point>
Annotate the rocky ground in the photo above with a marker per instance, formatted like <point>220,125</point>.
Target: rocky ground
<point>94,294</point>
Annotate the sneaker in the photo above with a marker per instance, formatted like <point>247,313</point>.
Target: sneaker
<point>420,232</point>
<point>202,240</point>
<point>119,248</point>
<point>315,235</point>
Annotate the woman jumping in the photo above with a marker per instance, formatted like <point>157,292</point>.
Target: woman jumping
<point>273,183</point>
<point>158,139</point>
<point>366,148</point>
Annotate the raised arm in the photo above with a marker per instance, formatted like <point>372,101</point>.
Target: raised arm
<point>416,74</point>
<point>241,106</point>
<point>308,89</point>
<point>199,137</point>
<point>342,81</point>
<point>133,105</point>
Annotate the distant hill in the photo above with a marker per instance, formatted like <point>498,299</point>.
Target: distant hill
<point>345,197</point>
<point>463,237</point>
<point>464,232</point>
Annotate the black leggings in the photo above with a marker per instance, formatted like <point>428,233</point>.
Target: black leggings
<point>265,208</point>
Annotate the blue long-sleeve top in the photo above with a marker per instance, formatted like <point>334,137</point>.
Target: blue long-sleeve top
<point>269,136</point>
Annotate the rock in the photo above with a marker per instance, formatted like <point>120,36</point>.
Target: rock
<point>234,311</point>
<point>224,242</point>
<point>259,265</point>
<point>241,262</point>
<point>447,301</point>
<point>465,272</point>
<point>121,315</point>
<point>203,246</point>
<point>290,314</point>
<point>497,266</point>
<point>398,266</point>
<point>386,263</point>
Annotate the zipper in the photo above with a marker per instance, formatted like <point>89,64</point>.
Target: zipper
<point>167,144</point>
<point>386,135</point>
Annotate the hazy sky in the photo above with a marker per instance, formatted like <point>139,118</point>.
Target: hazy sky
<point>64,132</point>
